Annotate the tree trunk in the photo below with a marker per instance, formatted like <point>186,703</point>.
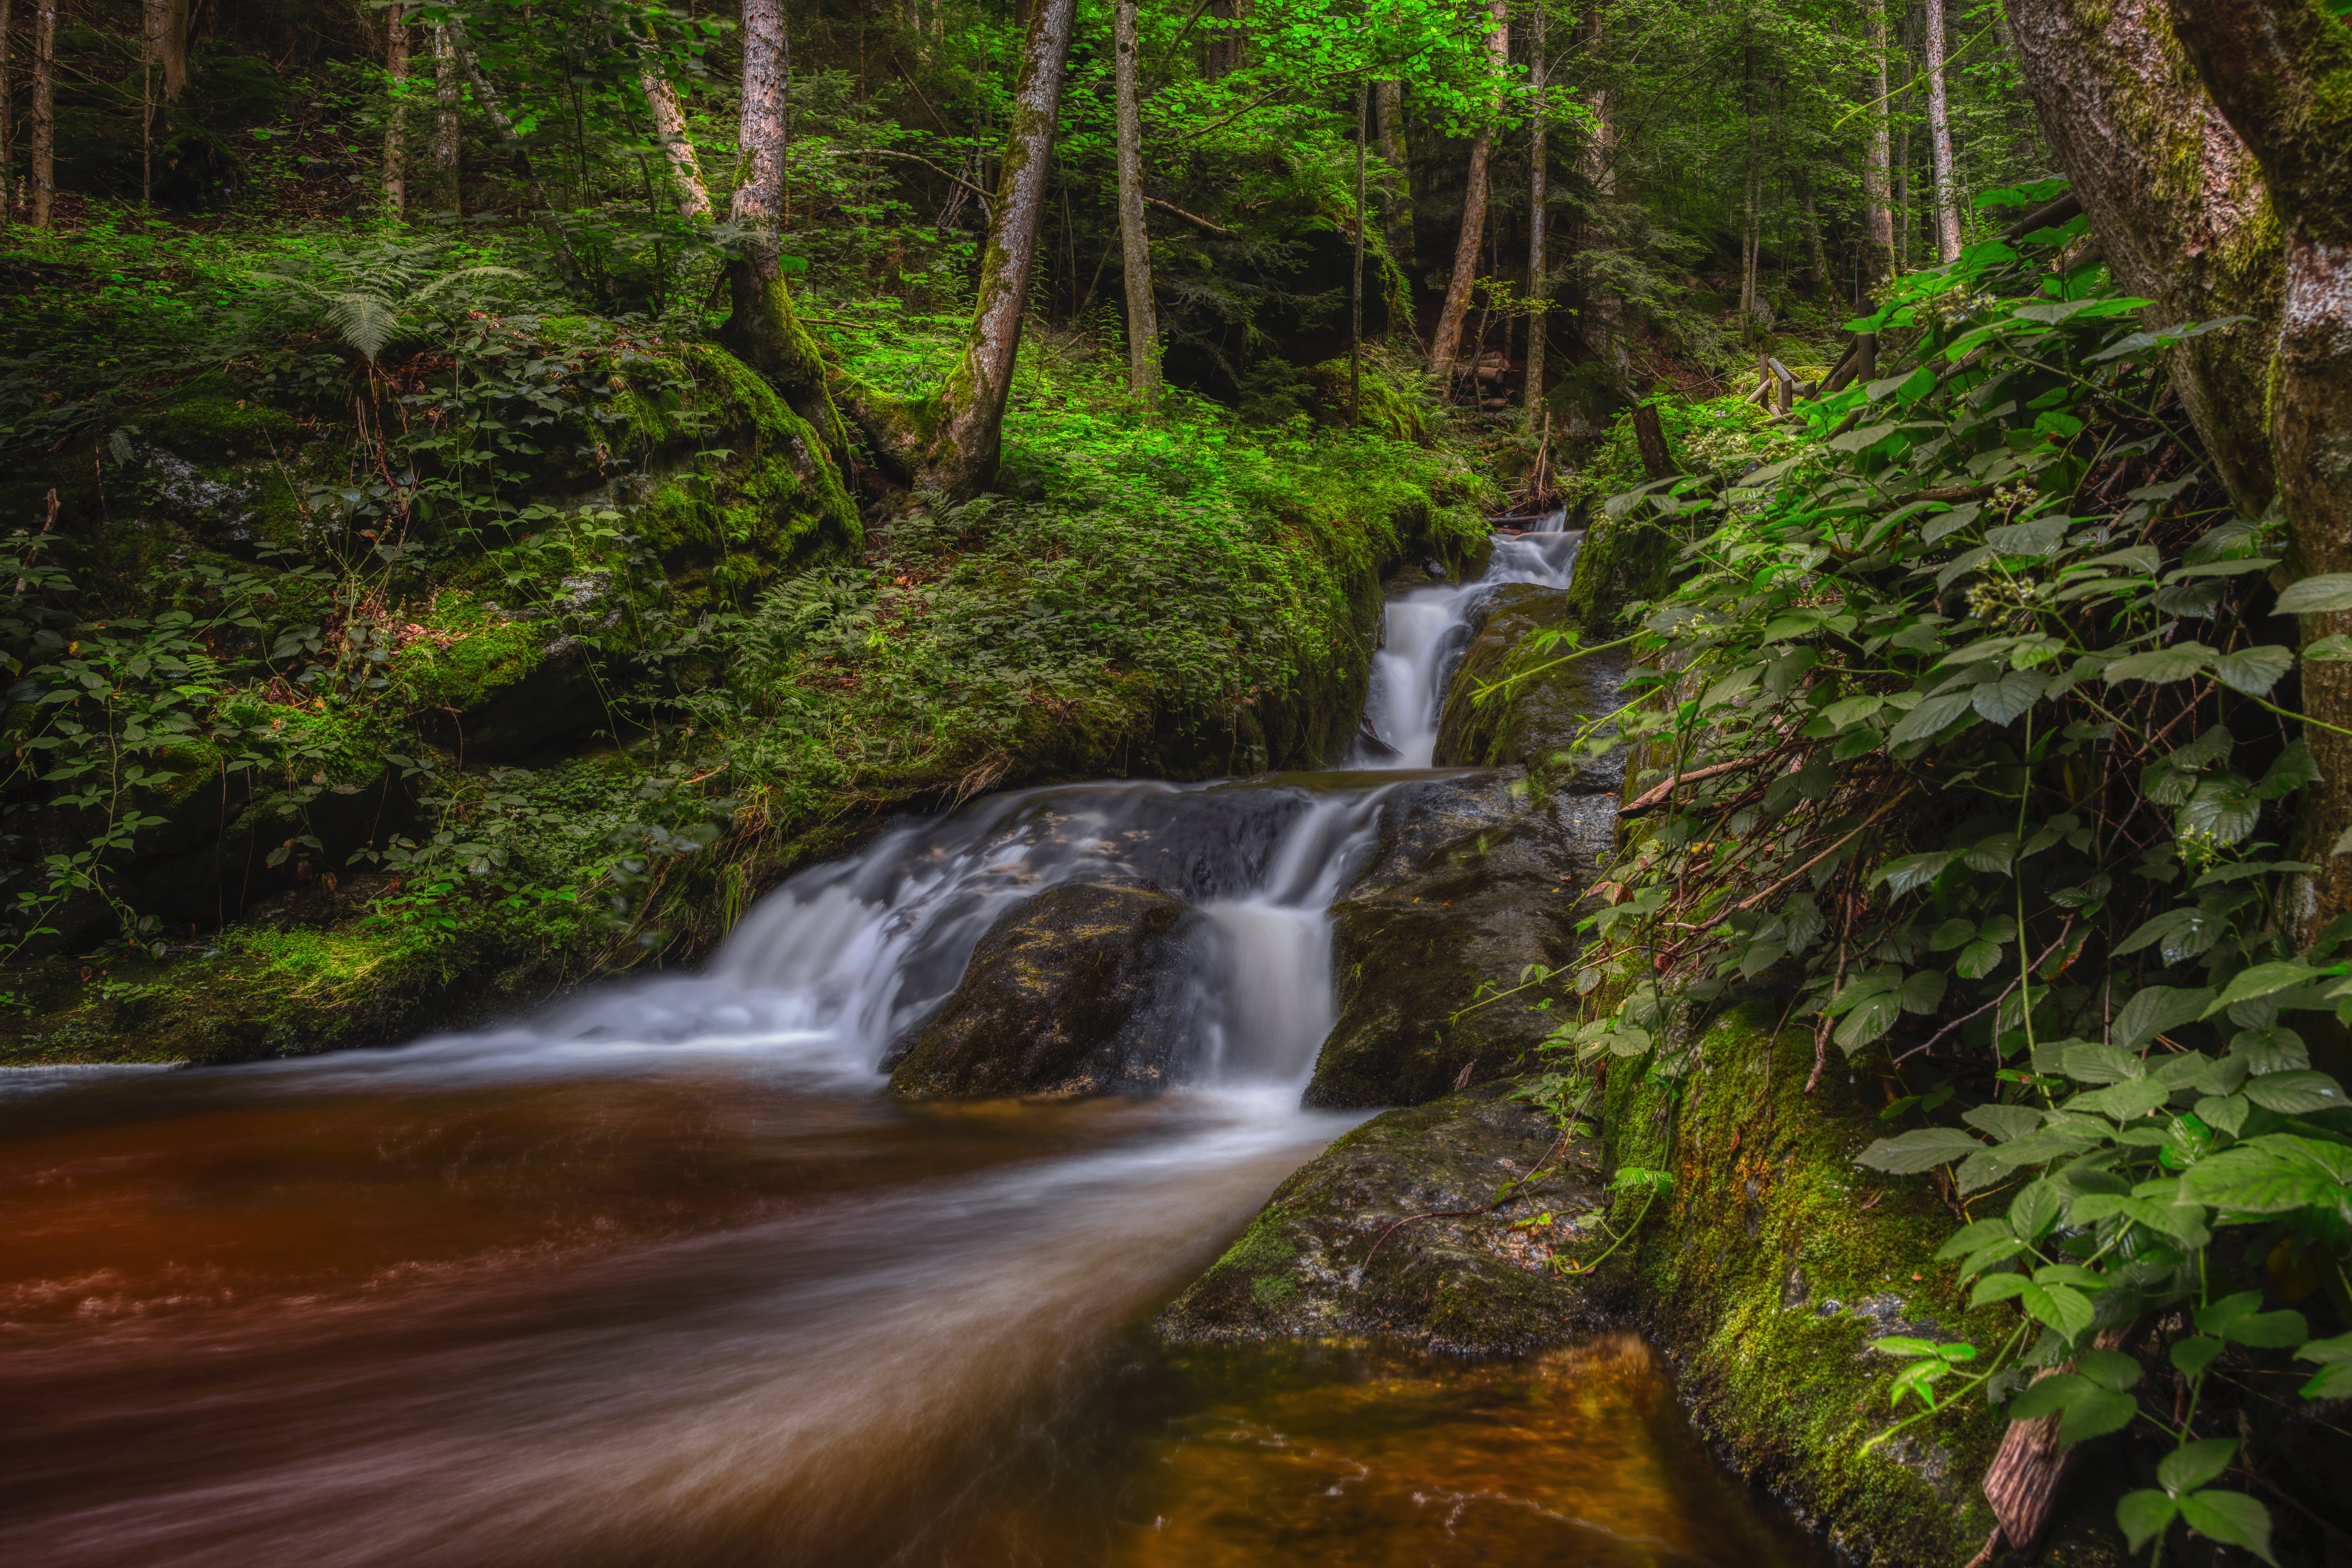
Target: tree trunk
<point>1650,438</point>
<point>165,45</point>
<point>1396,181</point>
<point>45,115</point>
<point>1940,136</point>
<point>447,89</point>
<point>1600,168</point>
<point>517,155</point>
<point>395,71</point>
<point>2176,201</point>
<point>1878,218</point>
<point>7,119</point>
<point>2278,70</point>
<point>970,429</point>
<point>669,124</point>
<point>1356,277</point>
<point>1446,346</point>
<point>1539,219</point>
<point>1135,239</point>
<point>762,327</point>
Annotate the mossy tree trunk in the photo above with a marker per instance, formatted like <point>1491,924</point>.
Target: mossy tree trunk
<point>1135,239</point>
<point>669,124</point>
<point>395,71</point>
<point>1445,348</point>
<point>1538,219</point>
<point>446,91</point>
<point>967,415</point>
<point>2280,73</point>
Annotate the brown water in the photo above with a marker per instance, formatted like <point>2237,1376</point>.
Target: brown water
<point>695,1314</point>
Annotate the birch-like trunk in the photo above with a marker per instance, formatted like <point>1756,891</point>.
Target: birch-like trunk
<point>1445,347</point>
<point>1538,221</point>
<point>448,90</point>
<point>669,124</point>
<point>1878,217</point>
<point>1396,182</point>
<point>2277,71</point>
<point>1135,239</point>
<point>1939,135</point>
<point>395,72</point>
<point>968,433</point>
<point>45,111</point>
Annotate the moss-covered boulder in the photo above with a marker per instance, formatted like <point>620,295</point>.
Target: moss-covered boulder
<point>1539,720</point>
<point>1622,562</point>
<point>1075,992</point>
<point>1474,879</point>
<point>1395,1230</point>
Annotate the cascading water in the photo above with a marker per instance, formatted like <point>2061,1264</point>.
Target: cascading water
<point>658,1277</point>
<point>1428,627</point>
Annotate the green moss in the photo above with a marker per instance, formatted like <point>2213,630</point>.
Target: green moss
<point>475,654</point>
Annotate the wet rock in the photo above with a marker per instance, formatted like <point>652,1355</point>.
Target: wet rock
<point>1474,879</point>
<point>1537,722</point>
<point>1076,991</point>
<point>1327,1255</point>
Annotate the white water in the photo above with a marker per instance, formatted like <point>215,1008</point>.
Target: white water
<point>1427,629</point>
<point>809,1375</point>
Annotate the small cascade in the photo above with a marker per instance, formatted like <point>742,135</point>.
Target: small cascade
<point>1427,629</point>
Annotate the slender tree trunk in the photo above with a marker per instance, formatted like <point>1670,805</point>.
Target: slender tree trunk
<point>1877,219</point>
<point>8,118</point>
<point>1445,348</point>
<point>971,404</point>
<point>759,134</point>
<point>448,91</point>
<point>2278,70</point>
<point>395,71</point>
<point>1396,181</point>
<point>1939,135</point>
<point>1538,221</point>
<point>1600,167</point>
<point>175,56</point>
<point>45,116</point>
<point>1135,239</point>
<point>1356,277</point>
<point>517,155</point>
<point>669,124</point>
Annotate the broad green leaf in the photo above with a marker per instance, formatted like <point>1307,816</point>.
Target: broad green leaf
<point>2315,595</point>
<point>2094,1063</point>
<point>2061,1307</point>
<point>1923,991</point>
<point>2049,1394</point>
<point>2277,1048</point>
<point>2152,1011</point>
<point>1969,1237</point>
<point>2122,1102</point>
<point>2008,698</point>
<point>2295,1093</point>
<point>2274,1174</point>
<point>2095,1414</point>
<point>2334,1359</point>
<point>2335,649</point>
<point>2253,670</point>
<point>2110,1369</point>
<point>2159,665</point>
<point>1930,717</point>
<point>1978,959</point>
<point>1908,872</point>
<point>2145,1515</point>
<point>2192,1464</point>
<point>2261,980</point>
<point>2192,1355</point>
<point>1918,1151</point>
<point>2232,1517</point>
<point>2241,1318</point>
<point>2006,1124</point>
<point>1995,1287</point>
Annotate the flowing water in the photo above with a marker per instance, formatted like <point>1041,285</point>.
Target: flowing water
<point>659,1277</point>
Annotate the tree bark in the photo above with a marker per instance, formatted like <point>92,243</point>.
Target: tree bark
<point>1939,135</point>
<point>1650,438</point>
<point>2279,69</point>
<point>1600,168</point>
<point>7,119</point>
<point>1396,180</point>
<point>45,111</point>
<point>2177,202</point>
<point>1135,237</point>
<point>1878,217</point>
<point>669,124</point>
<point>447,89</point>
<point>1356,276</point>
<point>1445,348</point>
<point>395,71</point>
<point>967,438</point>
<point>1538,219</point>
<point>517,155</point>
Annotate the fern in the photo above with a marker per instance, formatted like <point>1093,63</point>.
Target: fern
<point>368,318</point>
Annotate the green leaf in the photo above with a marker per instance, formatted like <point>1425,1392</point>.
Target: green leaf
<point>2334,1358</point>
<point>1978,959</point>
<point>2315,595</point>
<point>2096,1414</point>
<point>2295,1093</point>
<point>2334,650</point>
<point>2096,1062</point>
<point>1930,716</point>
<point>2160,665</point>
<point>1918,1151</point>
<point>1969,1237</point>
<point>2274,1174</point>
<point>1907,873</point>
<point>1995,1288</point>
<point>2061,1307</point>
<point>2110,1369</point>
<point>2122,1102</point>
<point>2232,1517</point>
<point>1923,991</point>
<point>2192,1464</point>
<point>2009,698</point>
<point>2192,1355</point>
<point>2049,1394</point>
<point>2238,1318</point>
<point>2262,980</point>
<point>2152,1011</point>
<point>2006,1124</point>
<point>2253,670</point>
<point>2144,1515</point>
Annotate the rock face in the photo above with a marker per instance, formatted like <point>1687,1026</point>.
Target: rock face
<point>1474,879</point>
<point>1076,991</point>
<point>1536,722</point>
<point>1481,1280</point>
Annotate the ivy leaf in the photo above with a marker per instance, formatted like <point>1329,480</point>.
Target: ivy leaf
<point>1918,1151</point>
<point>2315,595</point>
<point>2162,666</point>
<point>2253,670</point>
<point>2005,699</point>
<point>2152,1011</point>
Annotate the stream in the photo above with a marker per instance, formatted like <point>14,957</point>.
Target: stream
<point>659,1276</point>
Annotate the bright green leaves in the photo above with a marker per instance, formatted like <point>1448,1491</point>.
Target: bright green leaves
<point>1918,1151</point>
<point>2276,1174</point>
<point>2241,1320</point>
<point>2334,1359</point>
<point>1925,1362</point>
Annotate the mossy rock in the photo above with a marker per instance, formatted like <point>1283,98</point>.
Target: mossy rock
<point>1474,879</point>
<point>1621,562</point>
<point>1393,1231</point>
<point>1077,991</point>
<point>1585,403</point>
<point>1536,722</point>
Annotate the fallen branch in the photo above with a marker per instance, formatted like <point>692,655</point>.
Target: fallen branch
<point>1214,228</point>
<point>1656,793</point>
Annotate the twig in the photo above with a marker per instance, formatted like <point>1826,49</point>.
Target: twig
<point>1214,228</point>
<point>1937,1038</point>
<point>1658,792</point>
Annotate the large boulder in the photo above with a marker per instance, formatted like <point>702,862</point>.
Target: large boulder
<point>1076,991</point>
<point>1394,1229</point>
<point>1540,720</point>
<point>1476,878</point>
